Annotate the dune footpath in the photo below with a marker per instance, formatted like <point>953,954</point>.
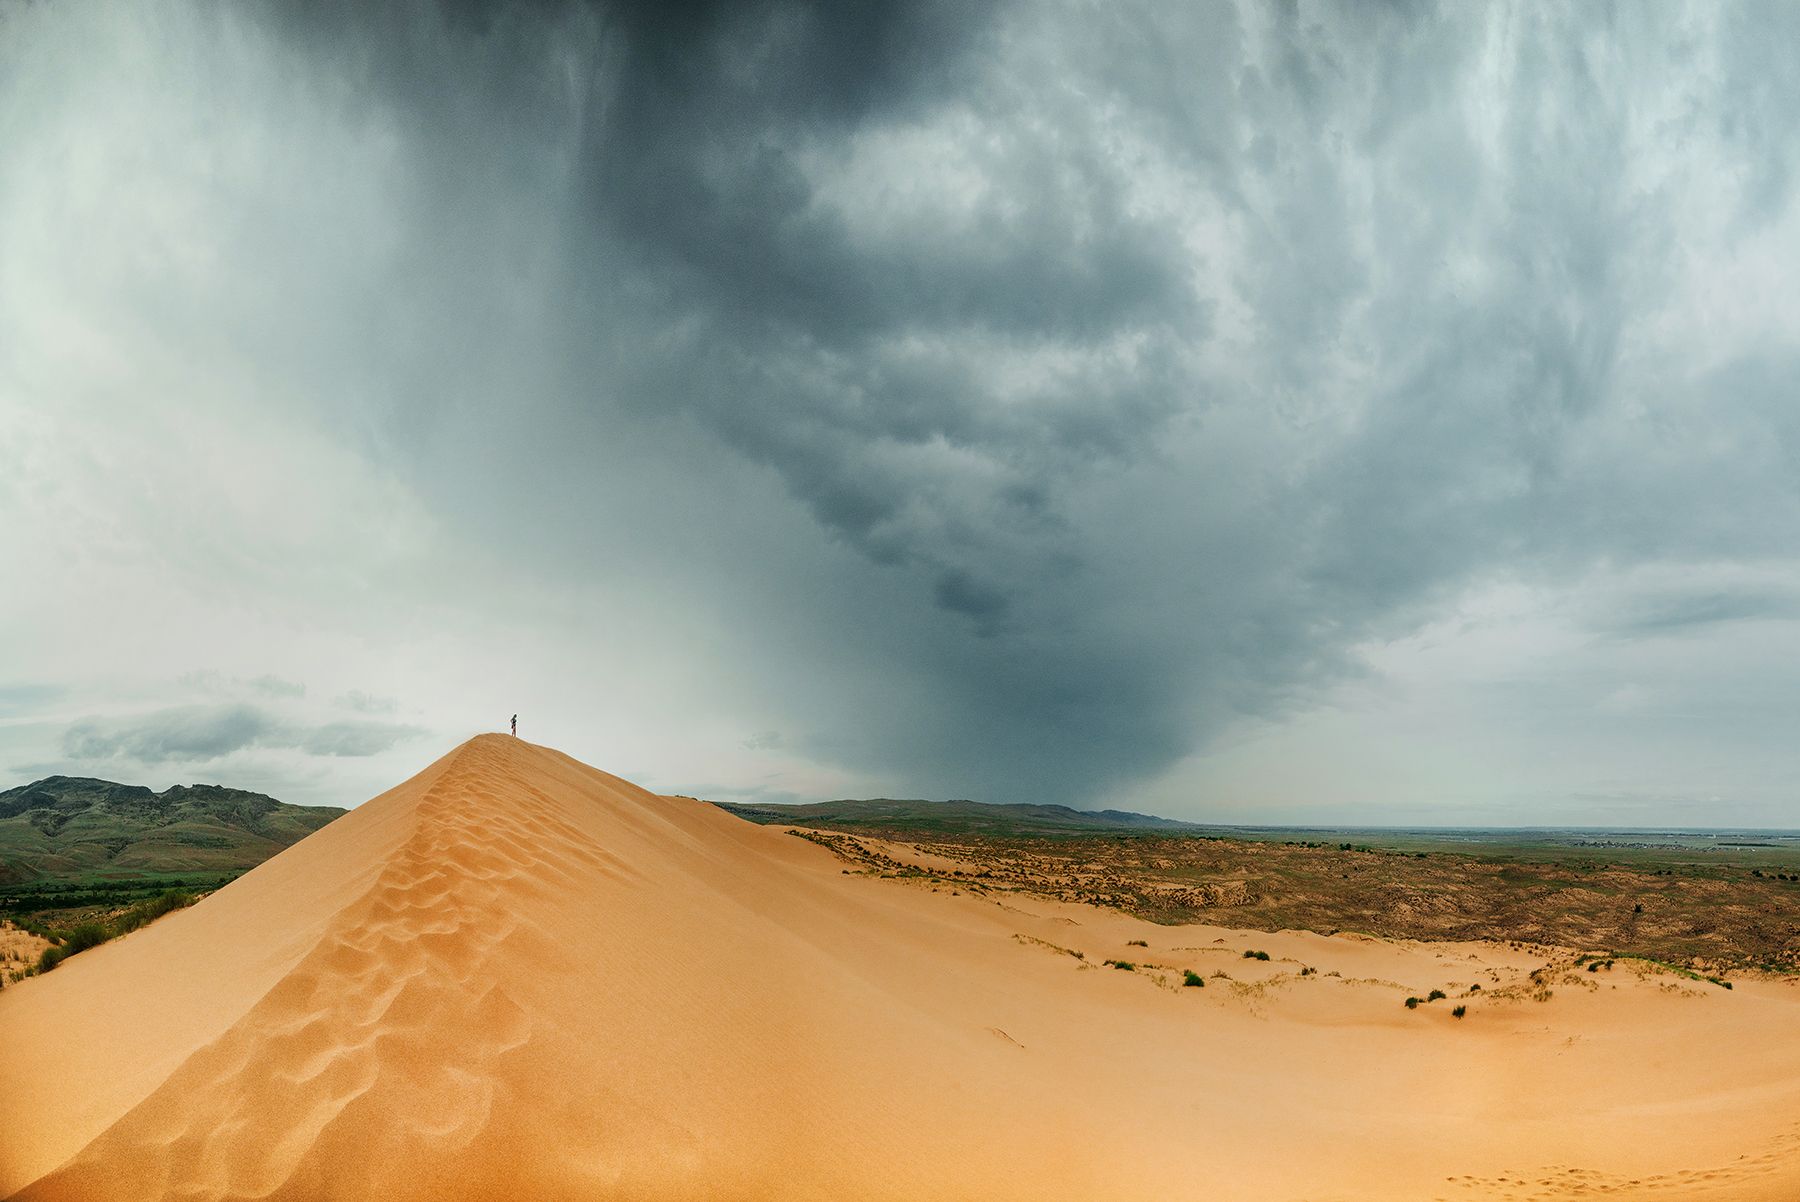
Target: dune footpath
<point>517,976</point>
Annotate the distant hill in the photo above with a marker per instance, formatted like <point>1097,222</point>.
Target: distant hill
<point>973,817</point>
<point>70,828</point>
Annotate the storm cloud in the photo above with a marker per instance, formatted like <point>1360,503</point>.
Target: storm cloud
<point>1019,401</point>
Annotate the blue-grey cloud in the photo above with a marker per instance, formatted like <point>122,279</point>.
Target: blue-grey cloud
<point>354,738</point>
<point>182,733</point>
<point>1035,391</point>
<point>202,733</point>
<point>1696,607</point>
<point>26,699</point>
<point>366,703</point>
<point>275,686</point>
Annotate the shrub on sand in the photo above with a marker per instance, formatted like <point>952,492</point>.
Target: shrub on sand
<point>93,934</point>
<point>149,911</point>
<point>88,934</point>
<point>1190,977</point>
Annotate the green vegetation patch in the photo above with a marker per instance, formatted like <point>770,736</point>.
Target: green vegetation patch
<point>87,935</point>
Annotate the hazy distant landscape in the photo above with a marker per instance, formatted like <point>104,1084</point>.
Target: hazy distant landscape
<point>85,850</point>
<point>971,816</point>
<point>1705,898</point>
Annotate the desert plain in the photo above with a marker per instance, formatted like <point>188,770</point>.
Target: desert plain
<point>517,976</point>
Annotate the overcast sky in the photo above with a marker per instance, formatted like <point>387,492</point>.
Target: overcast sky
<point>1289,413</point>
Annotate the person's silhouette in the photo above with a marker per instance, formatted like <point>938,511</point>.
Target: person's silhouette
<point>515,725</point>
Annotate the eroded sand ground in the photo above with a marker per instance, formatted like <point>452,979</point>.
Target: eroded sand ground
<point>19,950</point>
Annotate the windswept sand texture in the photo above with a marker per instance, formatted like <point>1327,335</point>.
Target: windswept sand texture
<point>515,976</point>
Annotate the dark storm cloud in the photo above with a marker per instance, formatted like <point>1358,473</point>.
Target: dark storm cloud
<point>928,387</point>
<point>1153,355</point>
<point>201,733</point>
<point>807,344</point>
<point>830,350</point>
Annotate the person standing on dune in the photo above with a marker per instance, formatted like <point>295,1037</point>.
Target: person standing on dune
<point>515,726</point>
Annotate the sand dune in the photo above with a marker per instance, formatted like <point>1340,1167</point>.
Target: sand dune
<point>516,976</point>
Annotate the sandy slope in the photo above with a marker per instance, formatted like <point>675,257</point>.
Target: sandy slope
<point>515,976</point>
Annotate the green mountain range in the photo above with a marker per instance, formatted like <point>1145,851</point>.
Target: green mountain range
<point>71,828</point>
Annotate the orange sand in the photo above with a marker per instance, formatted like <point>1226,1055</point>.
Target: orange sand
<point>514,976</point>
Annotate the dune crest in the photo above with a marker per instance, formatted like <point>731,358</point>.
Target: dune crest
<point>515,975</point>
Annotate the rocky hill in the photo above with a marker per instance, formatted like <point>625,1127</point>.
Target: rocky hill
<point>69,828</point>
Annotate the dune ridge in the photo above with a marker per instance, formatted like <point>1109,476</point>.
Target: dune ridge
<point>515,975</point>
<point>347,1036</point>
